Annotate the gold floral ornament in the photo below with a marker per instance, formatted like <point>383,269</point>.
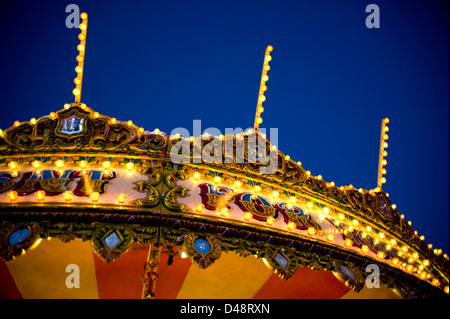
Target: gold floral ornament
<point>282,261</point>
<point>16,239</point>
<point>79,128</point>
<point>112,241</point>
<point>203,250</point>
<point>350,275</point>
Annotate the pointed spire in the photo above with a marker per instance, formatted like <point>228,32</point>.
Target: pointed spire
<point>383,153</point>
<point>80,58</point>
<point>262,87</point>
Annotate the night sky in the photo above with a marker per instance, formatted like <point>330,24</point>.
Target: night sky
<point>163,64</point>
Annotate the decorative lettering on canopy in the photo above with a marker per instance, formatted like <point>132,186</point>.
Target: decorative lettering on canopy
<point>55,182</point>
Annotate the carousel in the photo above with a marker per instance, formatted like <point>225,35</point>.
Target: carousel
<point>95,207</point>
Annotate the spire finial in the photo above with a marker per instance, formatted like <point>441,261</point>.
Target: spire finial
<point>262,87</point>
<point>383,153</point>
<point>80,57</point>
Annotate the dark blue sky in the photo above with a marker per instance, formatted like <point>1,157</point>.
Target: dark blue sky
<point>163,64</point>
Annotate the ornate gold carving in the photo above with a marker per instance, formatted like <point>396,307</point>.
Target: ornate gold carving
<point>202,257</point>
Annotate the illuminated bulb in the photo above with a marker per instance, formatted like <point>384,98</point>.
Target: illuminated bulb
<point>364,248</point>
<point>129,166</point>
<point>248,216</point>
<point>341,216</point>
<point>422,237</point>
<point>381,255</point>
<point>217,179</point>
<point>385,145</point>
<point>426,262</point>
<point>130,122</point>
<point>385,137</point>
<point>265,78</point>
<point>330,237</point>
<point>259,120</point>
<point>83,15</point>
<point>332,184</point>
<point>12,165</point>
<point>309,204</point>
<point>269,48</point>
<point>446,289</point>
<point>409,268</point>
<point>141,130</point>
<point>113,120</point>
<point>196,175</point>
<point>292,199</point>
<point>36,164</point>
<point>348,243</point>
<point>291,225</point>
<point>355,222</point>
<point>257,189</point>
<point>68,196</point>
<point>383,180</point>
<point>12,195</point>
<point>326,210</point>
<point>266,68</point>
<point>395,261</point>
<point>287,157</point>
<point>16,123</point>
<point>319,177</point>
<point>237,184</point>
<point>33,121</point>
<point>106,165</point>
<point>94,196</point>
<point>224,211</point>
<point>183,255</point>
<point>308,173</point>
<point>311,230</point>
<point>83,26</point>
<point>1,133</point>
<point>262,98</point>
<point>381,235</point>
<point>393,242</point>
<point>270,220</point>
<point>121,198</point>
<point>82,37</point>
<point>385,153</point>
<point>52,115</point>
<point>59,163</point>
<point>157,131</point>
<point>83,164</point>
<point>275,194</point>
<point>40,195</point>
<point>80,47</point>
<point>423,275</point>
<point>199,208</point>
<point>78,69</point>
<point>268,58</point>
<point>436,282</point>
<point>76,91</point>
<point>386,120</point>
<point>383,171</point>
